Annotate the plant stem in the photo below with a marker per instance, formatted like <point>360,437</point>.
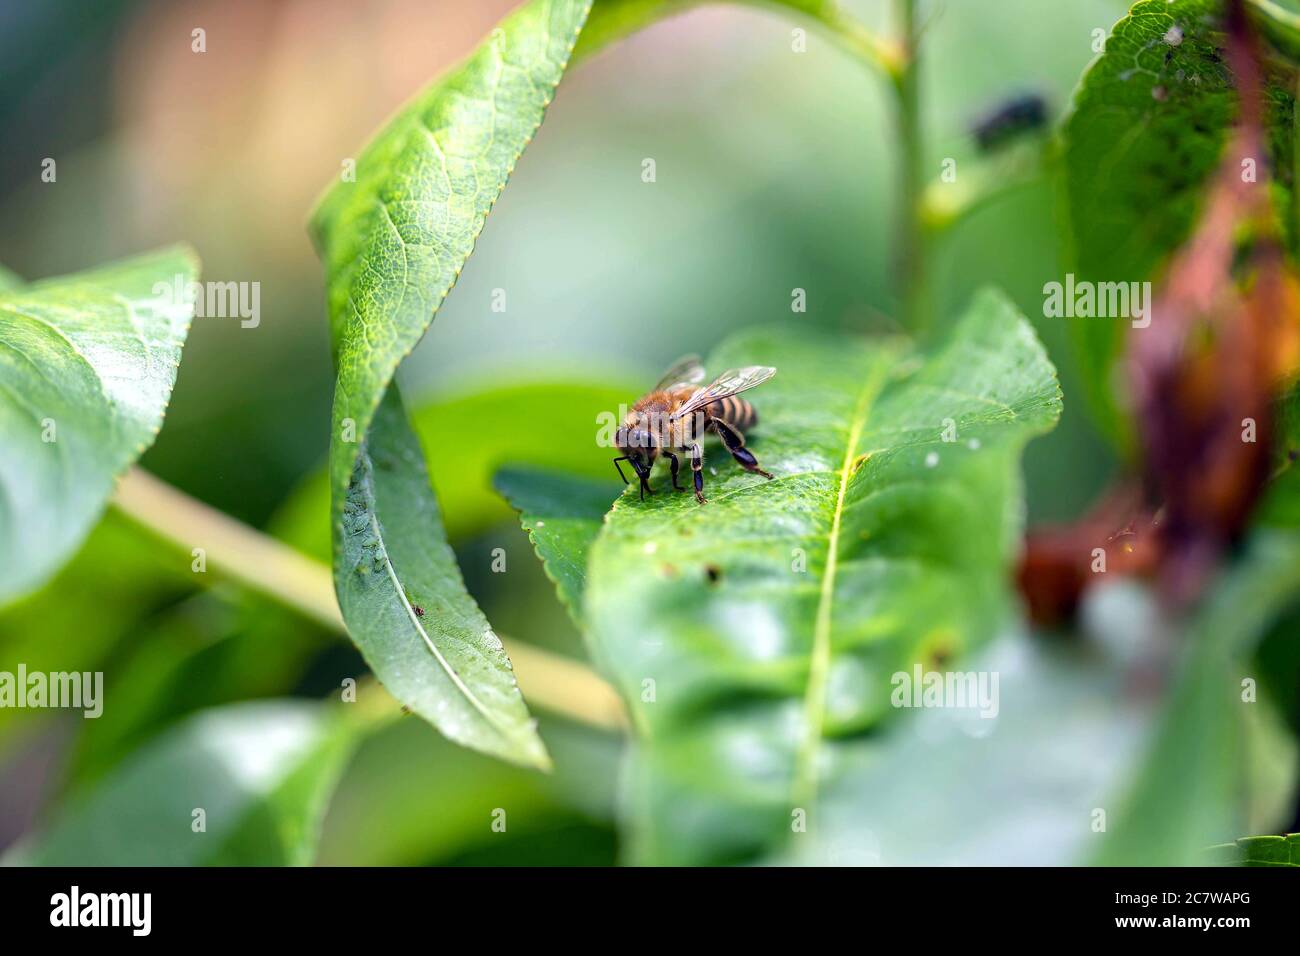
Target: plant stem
<point>913,249</point>
<point>873,51</point>
<point>260,563</point>
<point>234,549</point>
<point>897,60</point>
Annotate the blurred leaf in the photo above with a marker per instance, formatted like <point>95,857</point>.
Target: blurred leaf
<point>562,514</point>
<point>1278,658</point>
<point>441,803</point>
<point>1270,780</point>
<point>205,652</point>
<point>93,356</point>
<point>1287,426</point>
<point>1190,790</point>
<point>1259,851</point>
<point>262,773</point>
<point>1149,127</point>
<point>613,20</point>
<point>949,788</point>
<point>1279,21</point>
<point>1150,120</point>
<point>484,429</point>
<point>407,609</point>
<point>1280,507</point>
<point>1078,730</point>
<point>98,601</point>
<point>394,242</point>
<point>771,619</point>
<point>8,279</point>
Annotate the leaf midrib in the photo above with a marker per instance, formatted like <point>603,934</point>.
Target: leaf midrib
<point>450,671</point>
<point>804,790</point>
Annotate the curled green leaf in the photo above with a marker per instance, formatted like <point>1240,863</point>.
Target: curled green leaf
<point>394,239</point>
<point>406,605</point>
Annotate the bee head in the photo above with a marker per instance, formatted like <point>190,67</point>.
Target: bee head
<point>636,443</point>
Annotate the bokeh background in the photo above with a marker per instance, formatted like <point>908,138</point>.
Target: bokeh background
<point>775,170</point>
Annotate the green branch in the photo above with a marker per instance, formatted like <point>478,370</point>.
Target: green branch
<point>262,564</point>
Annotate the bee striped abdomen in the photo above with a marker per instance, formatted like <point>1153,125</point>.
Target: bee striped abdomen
<point>735,411</point>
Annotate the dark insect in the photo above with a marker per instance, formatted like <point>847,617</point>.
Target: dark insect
<point>675,415</point>
<point>1011,118</point>
<point>419,611</point>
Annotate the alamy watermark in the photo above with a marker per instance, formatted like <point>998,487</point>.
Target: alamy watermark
<point>216,300</point>
<point>76,690</point>
<point>1101,300</point>
<point>954,690</point>
<point>133,911</point>
<point>650,431</point>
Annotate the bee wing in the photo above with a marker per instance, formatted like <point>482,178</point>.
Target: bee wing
<point>728,383</point>
<point>687,370</point>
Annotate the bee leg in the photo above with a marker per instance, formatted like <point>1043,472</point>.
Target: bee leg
<point>697,468</point>
<point>734,442</point>
<point>643,472</point>
<point>676,466</point>
<point>620,469</point>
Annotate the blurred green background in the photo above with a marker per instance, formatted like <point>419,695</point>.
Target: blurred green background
<point>775,170</point>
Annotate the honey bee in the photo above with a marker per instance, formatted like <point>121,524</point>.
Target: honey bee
<point>675,415</point>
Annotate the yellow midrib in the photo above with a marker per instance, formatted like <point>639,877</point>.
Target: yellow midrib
<point>805,776</point>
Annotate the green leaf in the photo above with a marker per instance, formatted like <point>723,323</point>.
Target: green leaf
<point>770,620</point>
<point>1260,851</point>
<point>1149,123</point>
<point>407,608</point>
<point>1279,21</point>
<point>1102,722</point>
<point>395,237</point>
<point>101,600</point>
<point>393,242</point>
<point>562,514</point>
<point>1280,505</point>
<point>1189,792</point>
<point>87,365</point>
<point>483,427</point>
<point>261,772</point>
<point>380,817</point>
<point>9,279</point>
<point>203,652</point>
<point>612,20</point>
<point>949,788</point>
